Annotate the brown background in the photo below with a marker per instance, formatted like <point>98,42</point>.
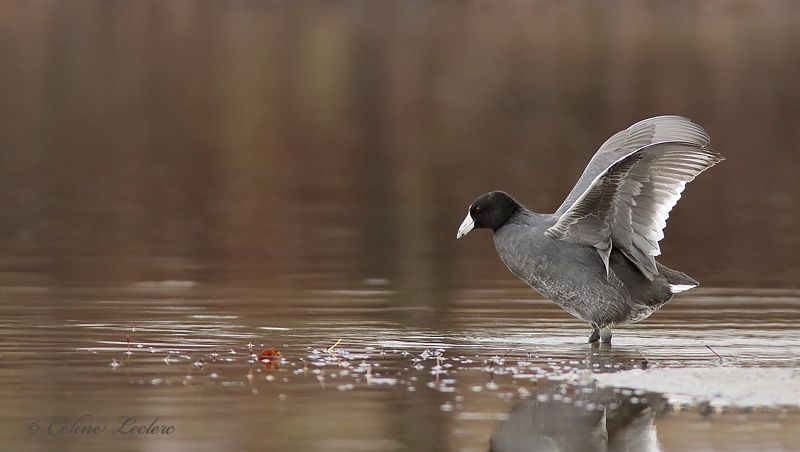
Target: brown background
<point>318,144</point>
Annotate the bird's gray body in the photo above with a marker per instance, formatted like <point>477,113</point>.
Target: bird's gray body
<point>572,275</point>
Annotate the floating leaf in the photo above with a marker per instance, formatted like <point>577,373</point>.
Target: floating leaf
<point>270,358</point>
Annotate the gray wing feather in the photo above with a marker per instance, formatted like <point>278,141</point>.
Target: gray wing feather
<point>643,133</point>
<point>626,205</point>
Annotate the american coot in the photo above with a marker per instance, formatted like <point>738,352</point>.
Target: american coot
<point>595,256</point>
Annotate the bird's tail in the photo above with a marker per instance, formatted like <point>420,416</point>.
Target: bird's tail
<point>678,281</point>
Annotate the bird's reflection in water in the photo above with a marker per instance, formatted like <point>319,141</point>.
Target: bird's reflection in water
<point>580,418</point>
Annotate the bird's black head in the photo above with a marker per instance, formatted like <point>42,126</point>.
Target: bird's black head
<point>491,210</point>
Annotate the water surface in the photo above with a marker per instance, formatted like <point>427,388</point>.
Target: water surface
<point>354,372</point>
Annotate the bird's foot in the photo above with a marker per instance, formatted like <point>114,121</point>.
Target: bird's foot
<point>605,335</point>
<point>594,336</point>
<point>600,334</point>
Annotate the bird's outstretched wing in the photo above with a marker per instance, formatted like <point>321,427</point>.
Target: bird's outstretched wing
<point>629,187</point>
<point>648,131</point>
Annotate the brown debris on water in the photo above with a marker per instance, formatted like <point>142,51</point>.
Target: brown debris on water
<point>270,358</point>
<point>330,349</point>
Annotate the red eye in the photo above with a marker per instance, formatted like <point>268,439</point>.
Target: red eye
<point>477,210</point>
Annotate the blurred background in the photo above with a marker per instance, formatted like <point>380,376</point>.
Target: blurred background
<point>332,144</point>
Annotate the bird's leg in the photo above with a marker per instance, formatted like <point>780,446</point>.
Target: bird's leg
<point>594,336</point>
<point>605,335</point>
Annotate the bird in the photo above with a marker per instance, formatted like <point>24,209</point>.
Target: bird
<point>595,256</point>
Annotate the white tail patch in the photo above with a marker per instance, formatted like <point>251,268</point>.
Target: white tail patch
<point>676,288</point>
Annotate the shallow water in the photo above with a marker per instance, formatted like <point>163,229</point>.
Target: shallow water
<point>354,372</point>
